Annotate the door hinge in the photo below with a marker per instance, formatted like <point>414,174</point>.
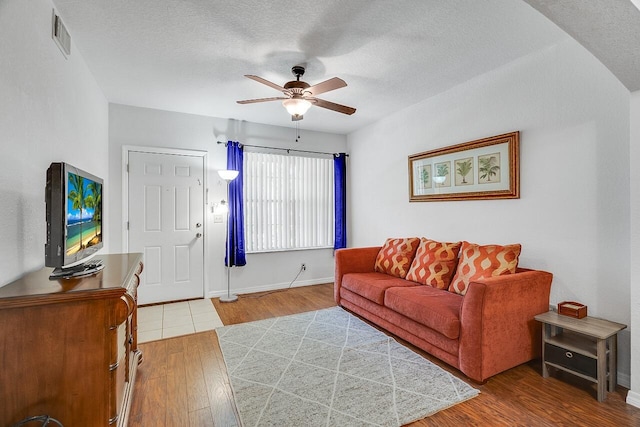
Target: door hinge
<point>127,167</point>
<point>127,225</point>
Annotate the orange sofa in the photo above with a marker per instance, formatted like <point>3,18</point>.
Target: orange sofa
<point>486,331</point>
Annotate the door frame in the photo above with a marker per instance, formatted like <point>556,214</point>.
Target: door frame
<point>126,149</point>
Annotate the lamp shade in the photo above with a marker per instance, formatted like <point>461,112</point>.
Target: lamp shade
<point>296,106</point>
<point>228,175</point>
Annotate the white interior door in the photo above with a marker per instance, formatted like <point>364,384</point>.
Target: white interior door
<point>166,212</point>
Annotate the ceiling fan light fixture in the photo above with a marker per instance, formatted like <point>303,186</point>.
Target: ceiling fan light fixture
<point>296,106</point>
<point>299,96</point>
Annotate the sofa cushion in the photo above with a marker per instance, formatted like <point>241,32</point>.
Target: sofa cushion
<point>434,263</point>
<point>395,256</point>
<point>478,262</point>
<point>434,308</point>
<point>372,286</point>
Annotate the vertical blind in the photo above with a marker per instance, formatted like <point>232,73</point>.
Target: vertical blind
<point>288,202</point>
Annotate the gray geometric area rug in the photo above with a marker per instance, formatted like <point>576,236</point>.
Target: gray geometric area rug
<point>329,368</point>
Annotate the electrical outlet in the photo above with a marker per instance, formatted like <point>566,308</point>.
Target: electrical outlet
<point>303,267</point>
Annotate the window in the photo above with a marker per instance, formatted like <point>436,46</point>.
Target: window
<point>288,202</point>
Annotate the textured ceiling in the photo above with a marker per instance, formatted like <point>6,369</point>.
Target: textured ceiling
<point>610,29</point>
<point>190,55</point>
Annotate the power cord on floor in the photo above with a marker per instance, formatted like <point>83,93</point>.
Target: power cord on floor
<point>302,268</point>
<point>44,419</point>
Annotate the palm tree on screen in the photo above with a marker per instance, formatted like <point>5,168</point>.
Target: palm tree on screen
<point>94,200</point>
<point>77,196</point>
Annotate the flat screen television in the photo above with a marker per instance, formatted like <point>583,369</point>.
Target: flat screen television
<point>74,221</point>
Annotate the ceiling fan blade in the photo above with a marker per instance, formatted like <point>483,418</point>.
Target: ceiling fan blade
<point>326,86</point>
<point>266,82</point>
<point>253,101</point>
<point>332,106</point>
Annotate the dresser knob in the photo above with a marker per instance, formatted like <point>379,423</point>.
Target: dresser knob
<point>568,354</point>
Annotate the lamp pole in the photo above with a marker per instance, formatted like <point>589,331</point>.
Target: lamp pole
<point>228,176</point>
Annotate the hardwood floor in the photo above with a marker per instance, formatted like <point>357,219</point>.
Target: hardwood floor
<point>183,382</point>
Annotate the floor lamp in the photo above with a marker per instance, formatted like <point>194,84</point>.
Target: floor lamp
<point>228,175</point>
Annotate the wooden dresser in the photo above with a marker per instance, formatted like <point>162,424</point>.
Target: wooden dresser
<point>68,348</point>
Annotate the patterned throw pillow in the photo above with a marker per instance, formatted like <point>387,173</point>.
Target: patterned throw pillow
<point>396,255</point>
<point>478,262</point>
<point>435,263</point>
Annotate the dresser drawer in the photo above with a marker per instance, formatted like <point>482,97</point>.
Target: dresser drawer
<point>571,360</point>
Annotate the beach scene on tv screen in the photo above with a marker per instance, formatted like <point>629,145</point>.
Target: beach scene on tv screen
<point>84,213</point>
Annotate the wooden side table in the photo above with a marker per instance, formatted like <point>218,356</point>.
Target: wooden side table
<point>584,347</point>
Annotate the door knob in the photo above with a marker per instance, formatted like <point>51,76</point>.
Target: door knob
<point>198,225</point>
<point>198,235</point>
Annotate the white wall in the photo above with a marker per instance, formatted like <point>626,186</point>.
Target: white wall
<point>154,128</point>
<point>573,215</point>
<point>51,109</point>
<point>634,394</point>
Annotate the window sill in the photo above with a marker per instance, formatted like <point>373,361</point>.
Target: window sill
<point>289,250</point>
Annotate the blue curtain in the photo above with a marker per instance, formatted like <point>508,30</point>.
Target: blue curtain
<point>340,196</point>
<point>236,211</point>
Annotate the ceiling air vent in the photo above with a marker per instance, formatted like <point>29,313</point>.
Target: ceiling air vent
<point>61,35</point>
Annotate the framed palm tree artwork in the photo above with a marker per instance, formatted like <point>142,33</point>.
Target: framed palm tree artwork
<point>464,171</point>
<point>487,168</point>
<point>442,176</point>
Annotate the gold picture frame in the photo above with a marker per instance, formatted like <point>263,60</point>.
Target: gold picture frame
<point>487,168</point>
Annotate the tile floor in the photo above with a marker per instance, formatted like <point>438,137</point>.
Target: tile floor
<point>156,322</point>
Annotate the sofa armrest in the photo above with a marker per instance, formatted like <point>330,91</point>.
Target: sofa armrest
<point>353,260</point>
<point>497,328</point>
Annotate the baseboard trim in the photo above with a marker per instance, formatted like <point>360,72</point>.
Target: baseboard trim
<point>633,398</point>
<point>270,287</point>
<point>624,380</point>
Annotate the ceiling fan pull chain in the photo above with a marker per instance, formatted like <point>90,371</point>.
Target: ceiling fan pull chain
<point>297,131</point>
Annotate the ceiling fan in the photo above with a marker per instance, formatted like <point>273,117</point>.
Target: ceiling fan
<point>300,96</point>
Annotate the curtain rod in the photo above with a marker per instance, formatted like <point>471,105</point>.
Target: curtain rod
<point>283,149</point>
